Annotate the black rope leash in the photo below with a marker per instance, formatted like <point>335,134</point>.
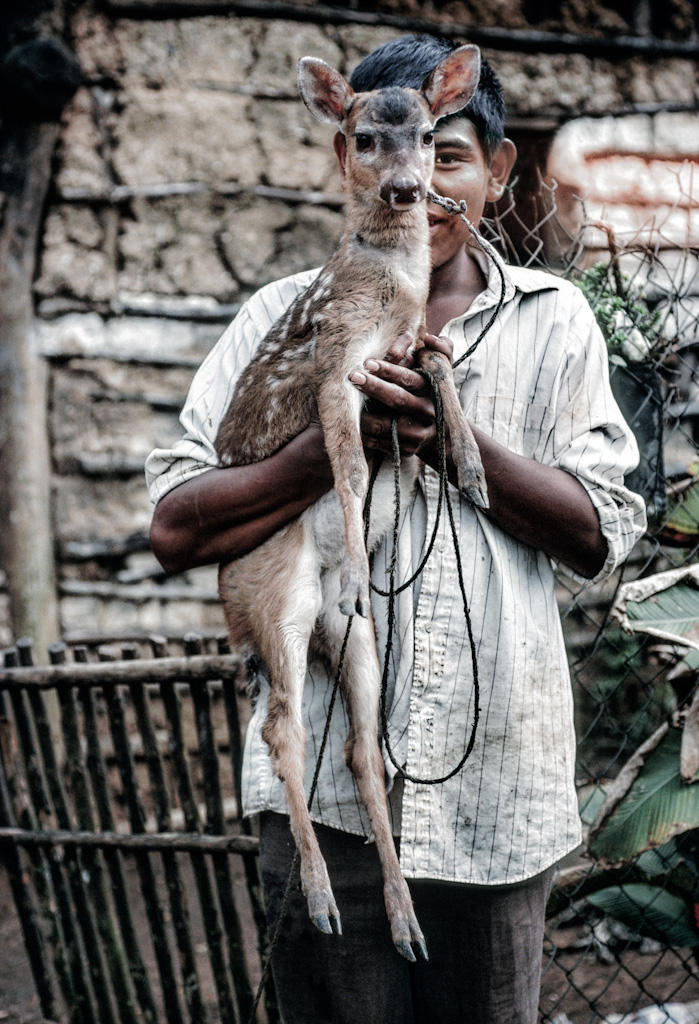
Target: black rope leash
<point>459,210</point>
<point>393,591</point>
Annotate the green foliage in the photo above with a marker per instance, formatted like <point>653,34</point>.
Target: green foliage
<point>631,330</point>
<point>683,518</point>
<point>671,613</point>
<point>621,692</point>
<point>657,806</point>
<point>649,910</point>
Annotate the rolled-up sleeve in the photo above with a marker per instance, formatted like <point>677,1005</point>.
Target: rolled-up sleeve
<point>592,441</point>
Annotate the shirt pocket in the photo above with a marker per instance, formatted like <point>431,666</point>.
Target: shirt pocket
<point>522,427</point>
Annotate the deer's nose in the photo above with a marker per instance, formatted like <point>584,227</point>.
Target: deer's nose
<point>402,191</point>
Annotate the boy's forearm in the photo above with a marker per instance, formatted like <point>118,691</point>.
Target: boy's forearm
<point>224,513</point>
<point>542,506</point>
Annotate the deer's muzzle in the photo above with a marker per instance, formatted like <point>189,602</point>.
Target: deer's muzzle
<point>402,191</point>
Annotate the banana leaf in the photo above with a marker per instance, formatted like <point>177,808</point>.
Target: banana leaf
<point>689,753</point>
<point>647,804</point>
<point>650,910</point>
<point>682,521</point>
<point>665,605</point>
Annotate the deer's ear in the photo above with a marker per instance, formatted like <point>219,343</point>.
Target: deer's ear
<point>324,91</point>
<point>450,85</point>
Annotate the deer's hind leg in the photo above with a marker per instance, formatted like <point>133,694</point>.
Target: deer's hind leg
<point>361,682</point>
<point>464,450</point>
<point>284,623</point>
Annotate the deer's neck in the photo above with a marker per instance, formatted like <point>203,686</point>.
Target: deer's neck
<point>385,230</point>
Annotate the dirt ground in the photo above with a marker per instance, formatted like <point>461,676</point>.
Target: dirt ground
<point>570,980</point>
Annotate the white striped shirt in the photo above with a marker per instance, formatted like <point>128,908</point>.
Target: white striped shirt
<point>538,384</point>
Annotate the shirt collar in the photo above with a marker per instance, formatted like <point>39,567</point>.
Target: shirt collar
<point>503,280</point>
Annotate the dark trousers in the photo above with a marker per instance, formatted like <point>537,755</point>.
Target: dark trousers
<point>484,943</point>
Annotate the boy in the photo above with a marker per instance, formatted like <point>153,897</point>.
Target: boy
<point>480,848</point>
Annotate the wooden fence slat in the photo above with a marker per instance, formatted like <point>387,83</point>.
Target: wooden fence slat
<point>178,906</point>
<point>91,859</point>
<point>77,990</point>
<point>98,777</point>
<point>72,858</point>
<point>26,909</point>
<point>156,918</point>
<point>207,901</point>
<point>139,842</point>
<point>40,874</point>
<point>145,670</point>
<point>215,823</point>
<point>250,862</point>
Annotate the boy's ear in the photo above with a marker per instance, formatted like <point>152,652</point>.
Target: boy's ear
<point>501,165</point>
<point>450,85</point>
<point>324,91</point>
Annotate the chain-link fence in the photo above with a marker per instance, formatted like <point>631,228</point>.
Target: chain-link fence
<point>623,933</point>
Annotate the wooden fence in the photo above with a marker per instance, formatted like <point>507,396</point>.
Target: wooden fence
<point>134,877</point>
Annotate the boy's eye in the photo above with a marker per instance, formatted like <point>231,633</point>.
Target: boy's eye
<point>428,138</point>
<point>363,142</point>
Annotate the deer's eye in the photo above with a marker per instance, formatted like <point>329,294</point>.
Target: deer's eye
<point>428,138</point>
<point>363,142</point>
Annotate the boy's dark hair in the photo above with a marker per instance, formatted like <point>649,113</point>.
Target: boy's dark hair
<point>408,60</point>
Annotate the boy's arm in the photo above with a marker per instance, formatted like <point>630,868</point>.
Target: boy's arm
<point>543,506</point>
<point>224,513</point>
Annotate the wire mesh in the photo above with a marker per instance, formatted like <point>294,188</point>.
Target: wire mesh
<point>611,952</point>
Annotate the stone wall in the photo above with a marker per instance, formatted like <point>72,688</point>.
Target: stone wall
<point>189,174</point>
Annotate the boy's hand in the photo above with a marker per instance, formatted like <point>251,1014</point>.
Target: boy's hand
<point>394,388</point>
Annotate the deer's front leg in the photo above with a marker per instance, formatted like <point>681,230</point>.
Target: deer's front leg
<point>339,411</point>
<point>464,450</point>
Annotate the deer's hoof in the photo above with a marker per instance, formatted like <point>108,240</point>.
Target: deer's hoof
<point>355,606</point>
<point>354,593</point>
<point>405,930</point>
<point>406,950</point>
<point>477,495</point>
<point>407,947</point>
<point>323,912</point>
<point>472,485</point>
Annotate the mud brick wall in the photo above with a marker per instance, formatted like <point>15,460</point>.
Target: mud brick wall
<point>189,174</point>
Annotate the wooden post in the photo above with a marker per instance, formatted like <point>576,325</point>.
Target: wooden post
<point>25,468</point>
<point>39,75</point>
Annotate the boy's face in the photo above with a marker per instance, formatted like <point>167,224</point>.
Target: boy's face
<point>462,171</point>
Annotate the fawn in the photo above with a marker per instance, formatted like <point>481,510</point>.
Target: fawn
<point>299,586</point>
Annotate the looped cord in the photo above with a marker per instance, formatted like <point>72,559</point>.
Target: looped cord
<point>459,209</point>
<point>393,591</point>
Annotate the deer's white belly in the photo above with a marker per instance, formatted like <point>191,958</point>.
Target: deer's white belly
<point>326,523</point>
